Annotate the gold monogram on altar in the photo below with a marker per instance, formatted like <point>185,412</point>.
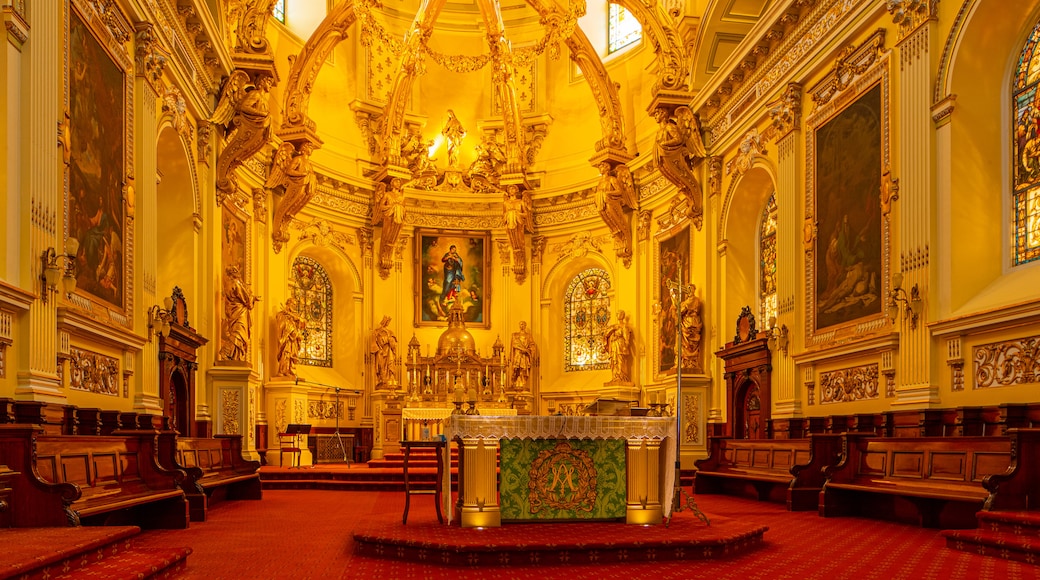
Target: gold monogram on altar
<point>562,478</point>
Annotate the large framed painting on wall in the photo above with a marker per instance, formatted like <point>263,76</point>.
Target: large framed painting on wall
<point>673,265</point>
<point>452,268</point>
<point>98,96</point>
<point>847,258</point>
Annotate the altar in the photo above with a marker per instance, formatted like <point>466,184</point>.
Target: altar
<point>561,468</point>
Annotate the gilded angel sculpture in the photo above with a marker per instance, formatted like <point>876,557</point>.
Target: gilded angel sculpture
<point>243,111</point>
<point>679,151</point>
<point>290,169</point>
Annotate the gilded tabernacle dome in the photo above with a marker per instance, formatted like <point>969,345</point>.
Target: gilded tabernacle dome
<point>456,333</point>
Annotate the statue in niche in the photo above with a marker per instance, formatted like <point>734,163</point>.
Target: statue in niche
<point>679,151</point>
<point>692,326</point>
<point>619,347</point>
<point>523,356</point>
<point>290,338</point>
<point>243,110</point>
<point>383,348</point>
<point>238,305</point>
<point>454,133</point>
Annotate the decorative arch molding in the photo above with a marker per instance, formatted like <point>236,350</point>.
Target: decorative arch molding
<point>943,78</point>
<point>674,72</point>
<point>564,266</point>
<point>167,121</point>
<point>306,247</point>
<point>760,164</point>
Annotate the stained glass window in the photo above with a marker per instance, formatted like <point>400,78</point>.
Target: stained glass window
<point>1026,145</point>
<point>586,318</point>
<point>622,28</point>
<point>309,285</point>
<point>767,265</point>
<point>279,11</point>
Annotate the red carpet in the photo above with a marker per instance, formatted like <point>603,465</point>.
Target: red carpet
<point>308,534</point>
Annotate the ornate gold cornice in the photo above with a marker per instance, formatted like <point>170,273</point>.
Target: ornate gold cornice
<point>909,14</point>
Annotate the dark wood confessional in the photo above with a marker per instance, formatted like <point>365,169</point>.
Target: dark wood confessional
<point>177,369</point>
<point>748,372</point>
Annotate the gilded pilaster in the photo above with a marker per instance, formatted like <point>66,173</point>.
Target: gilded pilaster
<point>478,495</point>
<point>42,177</point>
<point>916,151</point>
<point>644,482</point>
<point>787,252</point>
<point>146,381</point>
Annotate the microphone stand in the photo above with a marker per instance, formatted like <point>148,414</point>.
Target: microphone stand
<point>339,438</point>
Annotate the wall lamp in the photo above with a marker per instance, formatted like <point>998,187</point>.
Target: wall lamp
<point>52,270</point>
<point>778,337</point>
<point>911,304</point>
<point>159,318</point>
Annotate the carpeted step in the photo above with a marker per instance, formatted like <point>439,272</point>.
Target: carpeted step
<point>132,564</point>
<point>1019,523</point>
<point>1003,545</point>
<point>95,552</point>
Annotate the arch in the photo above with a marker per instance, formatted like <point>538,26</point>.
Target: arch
<point>566,268</point>
<point>167,121</point>
<point>671,56</point>
<point>177,262</point>
<point>983,53</point>
<point>346,284</point>
<point>739,226</point>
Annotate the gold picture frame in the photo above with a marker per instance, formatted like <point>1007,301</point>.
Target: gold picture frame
<point>847,237</point>
<point>452,266</point>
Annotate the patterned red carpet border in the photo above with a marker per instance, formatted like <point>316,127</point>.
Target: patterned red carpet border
<point>305,534</point>
<point>685,538</point>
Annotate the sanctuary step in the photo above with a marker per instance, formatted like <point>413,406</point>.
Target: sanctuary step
<point>384,474</point>
<point>1008,535</point>
<point>104,553</point>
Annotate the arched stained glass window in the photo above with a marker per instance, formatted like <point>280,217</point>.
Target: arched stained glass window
<point>1026,147</point>
<point>309,285</point>
<point>767,265</point>
<point>622,28</point>
<point>586,318</point>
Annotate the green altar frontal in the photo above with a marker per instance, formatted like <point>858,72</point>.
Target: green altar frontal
<point>556,468</point>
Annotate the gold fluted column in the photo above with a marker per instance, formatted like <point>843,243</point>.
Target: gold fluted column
<point>41,173</point>
<point>478,483</point>
<point>914,169</point>
<point>643,497</point>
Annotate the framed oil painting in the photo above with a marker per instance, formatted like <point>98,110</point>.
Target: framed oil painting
<point>848,258</point>
<point>98,98</point>
<point>452,268</point>
<point>673,264</point>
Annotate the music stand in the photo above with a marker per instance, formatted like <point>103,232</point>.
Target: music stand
<point>297,430</point>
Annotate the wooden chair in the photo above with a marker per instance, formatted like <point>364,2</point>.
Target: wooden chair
<point>289,443</point>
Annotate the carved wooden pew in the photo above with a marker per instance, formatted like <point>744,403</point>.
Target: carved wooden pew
<point>786,470</point>
<point>216,471</point>
<point>68,480</point>
<point>930,481</point>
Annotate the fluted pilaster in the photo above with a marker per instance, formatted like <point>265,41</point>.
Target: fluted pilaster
<point>915,173</point>
<point>42,176</point>
<point>787,252</point>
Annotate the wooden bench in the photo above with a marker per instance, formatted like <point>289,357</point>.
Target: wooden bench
<point>90,480</point>
<point>783,470</point>
<point>930,481</point>
<point>216,471</point>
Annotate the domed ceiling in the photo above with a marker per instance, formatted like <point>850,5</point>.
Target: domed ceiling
<point>502,99</point>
